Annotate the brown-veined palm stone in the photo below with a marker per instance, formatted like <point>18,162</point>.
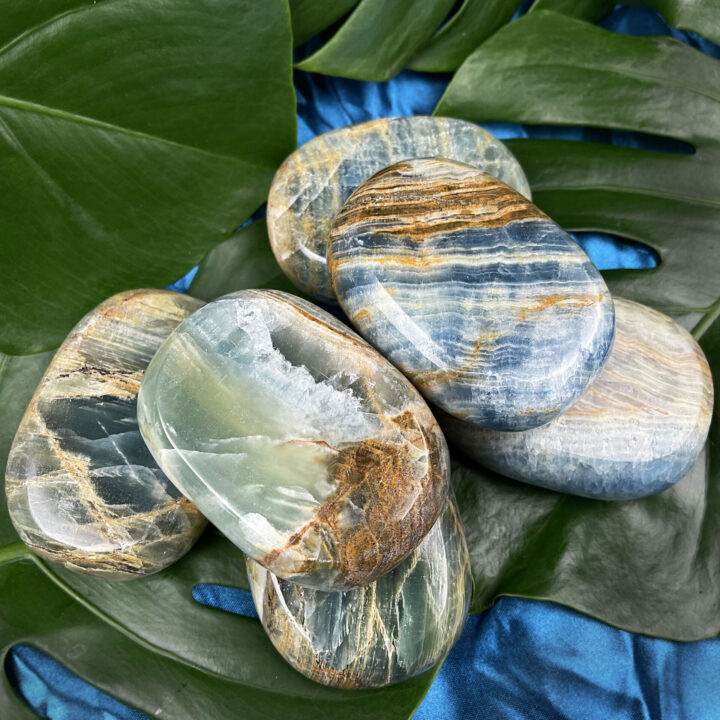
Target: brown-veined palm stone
<point>636,431</point>
<point>313,183</point>
<point>378,634</point>
<point>82,487</point>
<point>488,306</point>
<point>295,438</point>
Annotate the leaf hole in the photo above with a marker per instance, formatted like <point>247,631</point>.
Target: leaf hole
<point>57,693</point>
<point>221,597</point>
<point>621,138</point>
<point>182,284</point>
<point>613,252</point>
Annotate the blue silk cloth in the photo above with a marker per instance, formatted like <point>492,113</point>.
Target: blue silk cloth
<point>522,659</point>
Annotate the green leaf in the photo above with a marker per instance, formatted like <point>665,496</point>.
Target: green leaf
<point>669,202</point>
<point>309,17</point>
<point>475,21</point>
<point>244,260</point>
<point>700,16</point>
<point>378,39</point>
<point>530,72</point>
<point>150,645</point>
<point>551,69</point>
<point>650,566</point>
<point>590,10</point>
<point>147,643</point>
<point>134,135</point>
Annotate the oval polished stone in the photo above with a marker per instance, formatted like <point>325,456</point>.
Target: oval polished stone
<point>494,312</point>
<point>295,438</point>
<point>313,183</point>
<point>378,634</point>
<point>82,487</point>
<point>637,430</point>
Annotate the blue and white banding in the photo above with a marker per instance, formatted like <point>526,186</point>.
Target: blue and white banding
<point>485,303</point>
<point>636,431</point>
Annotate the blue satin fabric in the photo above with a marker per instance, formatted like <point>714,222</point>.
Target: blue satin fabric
<point>522,659</point>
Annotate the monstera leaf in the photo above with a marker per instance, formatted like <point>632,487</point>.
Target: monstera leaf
<point>437,37</point>
<point>551,69</point>
<point>134,136</point>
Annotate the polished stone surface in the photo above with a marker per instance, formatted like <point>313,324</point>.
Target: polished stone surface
<point>81,485</point>
<point>637,430</point>
<point>379,634</point>
<point>295,438</point>
<point>313,183</point>
<point>494,312</point>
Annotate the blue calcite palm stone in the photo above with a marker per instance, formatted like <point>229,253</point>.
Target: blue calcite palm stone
<point>313,183</point>
<point>494,313</point>
<point>82,487</point>
<point>378,634</point>
<point>295,438</point>
<point>637,430</point>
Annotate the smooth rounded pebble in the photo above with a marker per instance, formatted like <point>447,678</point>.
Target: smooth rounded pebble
<point>636,431</point>
<point>295,438</point>
<point>313,183</point>
<point>82,488</point>
<point>487,305</point>
<point>379,634</point>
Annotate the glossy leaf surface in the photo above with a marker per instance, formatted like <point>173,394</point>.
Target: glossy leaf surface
<point>378,39</point>
<point>475,21</point>
<point>309,17</point>
<point>159,136</point>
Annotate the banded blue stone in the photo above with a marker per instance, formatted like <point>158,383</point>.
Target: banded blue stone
<point>636,431</point>
<point>486,304</point>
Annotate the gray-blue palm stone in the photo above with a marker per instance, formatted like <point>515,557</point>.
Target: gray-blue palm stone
<point>82,487</point>
<point>487,305</point>
<point>375,634</point>
<point>636,431</point>
<point>313,183</point>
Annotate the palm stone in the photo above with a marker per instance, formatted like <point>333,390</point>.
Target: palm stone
<point>488,306</point>
<point>313,183</point>
<point>82,487</point>
<point>377,634</point>
<point>295,438</point>
<point>636,431</point>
